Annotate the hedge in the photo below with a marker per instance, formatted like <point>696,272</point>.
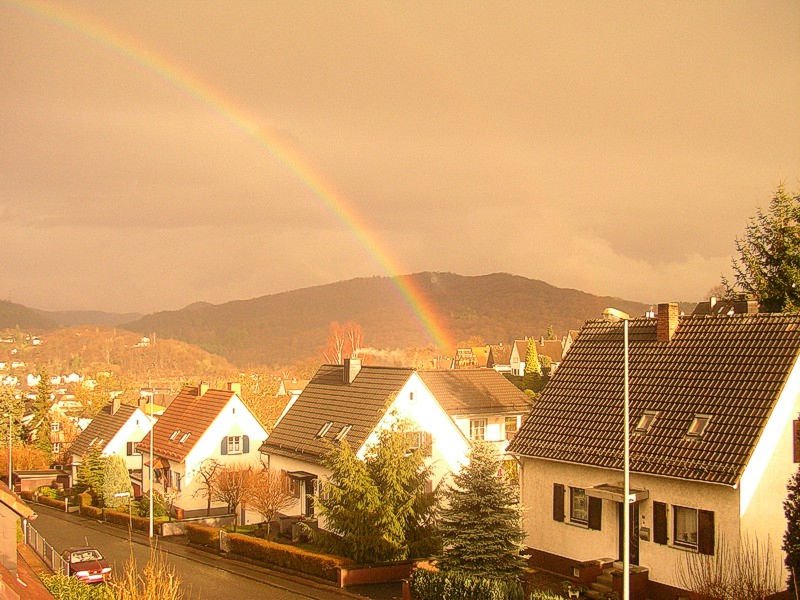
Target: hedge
<point>287,557</point>
<point>65,587</point>
<point>92,511</point>
<point>539,595</point>
<point>203,535</point>
<point>26,495</point>
<point>48,501</point>
<point>137,523</point>
<point>84,499</point>
<point>436,585</point>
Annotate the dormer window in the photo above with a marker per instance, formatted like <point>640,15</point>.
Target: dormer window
<point>646,421</point>
<point>698,426</point>
<point>184,437</point>
<point>342,433</point>
<point>324,429</point>
<point>173,436</point>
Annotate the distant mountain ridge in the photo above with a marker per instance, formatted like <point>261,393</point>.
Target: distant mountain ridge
<point>280,329</point>
<point>16,315</point>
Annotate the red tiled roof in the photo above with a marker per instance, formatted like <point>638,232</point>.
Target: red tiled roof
<point>188,413</point>
<point>732,368</point>
<point>550,348</point>
<point>102,428</point>
<point>499,354</point>
<point>327,398</point>
<point>475,391</point>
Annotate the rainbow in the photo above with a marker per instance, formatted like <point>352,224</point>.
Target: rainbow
<point>278,148</point>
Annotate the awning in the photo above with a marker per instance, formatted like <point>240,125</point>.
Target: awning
<point>301,475</point>
<point>616,493</point>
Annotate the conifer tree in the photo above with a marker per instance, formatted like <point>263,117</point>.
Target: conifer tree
<point>43,416</point>
<point>532,364</point>
<point>791,537</point>
<point>396,464</point>
<point>91,471</point>
<point>480,521</point>
<point>768,265</point>
<point>116,480</point>
<point>350,502</point>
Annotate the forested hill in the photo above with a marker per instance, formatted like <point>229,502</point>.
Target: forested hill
<point>15,315</point>
<point>281,329</point>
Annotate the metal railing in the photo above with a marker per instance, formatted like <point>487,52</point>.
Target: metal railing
<point>44,550</point>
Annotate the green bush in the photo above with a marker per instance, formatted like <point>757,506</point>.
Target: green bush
<point>137,523</point>
<point>203,535</point>
<point>64,587</point>
<point>540,595</point>
<point>91,511</point>
<point>436,585</point>
<point>49,501</point>
<point>47,492</point>
<point>160,508</point>
<point>84,499</point>
<point>287,557</point>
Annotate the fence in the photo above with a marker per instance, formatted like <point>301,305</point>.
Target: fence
<point>45,551</point>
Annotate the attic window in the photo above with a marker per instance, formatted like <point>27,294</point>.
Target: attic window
<point>342,433</point>
<point>646,422</point>
<point>324,429</point>
<point>174,434</point>
<point>184,437</point>
<point>698,426</point>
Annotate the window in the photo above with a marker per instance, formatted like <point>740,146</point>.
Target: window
<point>698,425</point>
<point>477,429</point>
<point>324,429</point>
<point>511,427</point>
<point>578,506</point>
<point>422,440</point>
<point>56,447</point>
<point>685,526</point>
<point>184,437</point>
<point>646,422</point>
<point>342,433</point>
<point>131,449</point>
<point>174,434</point>
<point>177,482</point>
<point>234,444</point>
<point>55,426</point>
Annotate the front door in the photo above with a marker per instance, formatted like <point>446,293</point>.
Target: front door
<point>634,532</point>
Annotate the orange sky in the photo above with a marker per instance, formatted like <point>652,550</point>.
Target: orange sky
<point>614,147</point>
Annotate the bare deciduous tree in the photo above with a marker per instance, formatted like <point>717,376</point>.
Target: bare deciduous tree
<point>270,492</point>
<point>205,472</point>
<point>747,571</point>
<point>231,485</point>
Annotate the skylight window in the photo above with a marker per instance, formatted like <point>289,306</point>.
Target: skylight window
<point>324,429</point>
<point>646,422</point>
<point>174,434</point>
<point>184,437</point>
<point>342,433</point>
<point>699,425</point>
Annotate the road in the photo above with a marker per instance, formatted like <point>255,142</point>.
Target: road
<point>204,575</point>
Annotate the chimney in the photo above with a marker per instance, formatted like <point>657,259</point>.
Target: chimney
<point>351,368</point>
<point>666,321</point>
<point>203,388</point>
<point>712,301</point>
<point>114,405</point>
<point>235,387</point>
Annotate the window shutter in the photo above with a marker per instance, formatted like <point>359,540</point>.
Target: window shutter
<point>595,513</point>
<point>223,447</point>
<point>659,523</point>
<point>705,533</point>
<point>796,441</point>
<point>558,502</point>
<point>245,444</point>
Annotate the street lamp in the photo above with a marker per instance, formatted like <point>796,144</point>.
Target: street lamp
<point>614,315</point>
<point>152,431</point>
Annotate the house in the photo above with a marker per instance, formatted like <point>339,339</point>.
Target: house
<point>355,402</point>
<point>115,430</point>
<point>499,358</point>
<point>713,408</point>
<point>200,424</point>
<point>516,360</point>
<point>483,403</point>
<point>552,349</point>
<point>12,509</point>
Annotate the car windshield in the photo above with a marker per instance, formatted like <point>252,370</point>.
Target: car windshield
<point>80,556</point>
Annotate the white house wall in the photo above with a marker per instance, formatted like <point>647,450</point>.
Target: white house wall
<point>763,483</point>
<point>133,430</point>
<point>415,403</point>
<point>580,543</point>
<point>283,463</point>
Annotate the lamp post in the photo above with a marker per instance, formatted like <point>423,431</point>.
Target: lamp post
<point>152,431</point>
<point>614,315</point>
<point>10,470</point>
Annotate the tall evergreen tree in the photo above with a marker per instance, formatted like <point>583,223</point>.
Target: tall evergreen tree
<point>396,464</point>
<point>480,522</point>
<point>768,262</point>
<point>350,502</point>
<point>791,537</point>
<point>116,480</point>
<point>532,364</point>
<point>91,472</point>
<point>43,416</point>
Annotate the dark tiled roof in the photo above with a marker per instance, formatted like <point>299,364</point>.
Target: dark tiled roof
<point>327,398</point>
<point>102,428</point>
<point>499,354</point>
<point>732,368</point>
<point>550,348</point>
<point>475,391</point>
<point>188,413</point>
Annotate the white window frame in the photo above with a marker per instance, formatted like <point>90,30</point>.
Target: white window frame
<point>55,426</point>
<point>506,420</point>
<point>683,542</point>
<point>578,513</point>
<point>477,429</point>
<point>234,444</point>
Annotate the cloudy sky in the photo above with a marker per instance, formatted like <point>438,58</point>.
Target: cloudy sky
<point>153,154</point>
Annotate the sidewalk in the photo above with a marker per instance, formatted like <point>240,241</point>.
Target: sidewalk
<point>179,546</point>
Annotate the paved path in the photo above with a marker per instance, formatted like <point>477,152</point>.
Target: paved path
<point>204,575</point>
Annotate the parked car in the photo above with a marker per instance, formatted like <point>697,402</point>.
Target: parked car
<point>87,564</point>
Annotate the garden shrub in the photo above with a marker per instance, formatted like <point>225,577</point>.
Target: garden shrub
<point>26,495</point>
<point>50,501</point>
<point>203,535</point>
<point>64,587</point>
<point>137,523</point>
<point>46,492</point>
<point>92,511</point>
<point>437,585</point>
<point>287,557</point>
<point>541,595</point>
<point>84,499</point>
